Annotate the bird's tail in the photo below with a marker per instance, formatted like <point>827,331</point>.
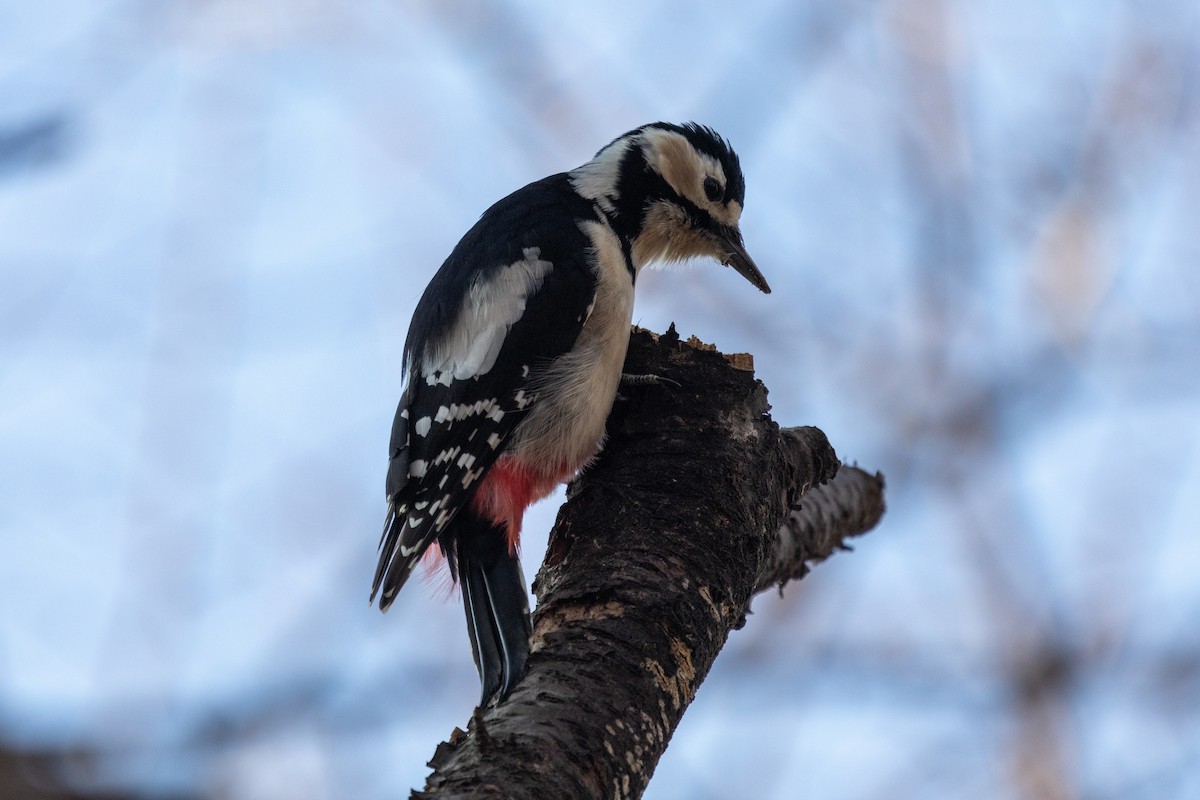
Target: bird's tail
<point>496,602</point>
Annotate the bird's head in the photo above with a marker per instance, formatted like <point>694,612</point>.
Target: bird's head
<point>673,192</point>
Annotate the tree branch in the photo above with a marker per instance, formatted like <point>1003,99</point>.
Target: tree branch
<point>652,562</point>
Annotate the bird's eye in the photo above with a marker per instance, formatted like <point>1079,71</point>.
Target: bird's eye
<point>712,189</point>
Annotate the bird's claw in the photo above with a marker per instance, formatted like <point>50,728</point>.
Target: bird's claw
<point>646,380</point>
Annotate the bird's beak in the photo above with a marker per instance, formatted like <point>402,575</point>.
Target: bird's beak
<point>736,256</point>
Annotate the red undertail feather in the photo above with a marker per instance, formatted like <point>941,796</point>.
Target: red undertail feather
<point>510,487</point>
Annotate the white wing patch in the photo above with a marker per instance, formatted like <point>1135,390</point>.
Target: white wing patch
<point>492,305</point>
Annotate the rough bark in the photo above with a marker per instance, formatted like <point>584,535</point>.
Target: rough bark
<point>691,509</point>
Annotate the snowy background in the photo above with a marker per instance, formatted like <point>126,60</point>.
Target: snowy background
<point>980,221</point>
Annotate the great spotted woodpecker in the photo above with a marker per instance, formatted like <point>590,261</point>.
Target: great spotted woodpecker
<point>514,357</point>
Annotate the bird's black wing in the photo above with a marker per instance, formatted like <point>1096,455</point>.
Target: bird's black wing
<point>512,297</point>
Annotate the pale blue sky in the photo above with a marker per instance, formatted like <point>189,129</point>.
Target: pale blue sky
<point>979,224</point>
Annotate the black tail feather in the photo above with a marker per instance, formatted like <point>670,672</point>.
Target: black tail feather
<point>496,604</point>
<point>480,628</point>
<point>509,602</point>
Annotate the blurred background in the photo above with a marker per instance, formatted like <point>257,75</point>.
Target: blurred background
<point>980,222</point>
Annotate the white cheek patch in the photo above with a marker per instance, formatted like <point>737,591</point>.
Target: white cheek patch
<point>735,212</point>
<point>685,168</point>
<point>671,155</point>
<point>492,305</point>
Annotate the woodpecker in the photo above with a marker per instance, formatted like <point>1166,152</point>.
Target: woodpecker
<point>514,357</point>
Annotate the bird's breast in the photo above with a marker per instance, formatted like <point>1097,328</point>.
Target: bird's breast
<point>565,428</point>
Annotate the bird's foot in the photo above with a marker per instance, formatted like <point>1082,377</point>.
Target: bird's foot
<point>628,380</point>
<point>646,380</point>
